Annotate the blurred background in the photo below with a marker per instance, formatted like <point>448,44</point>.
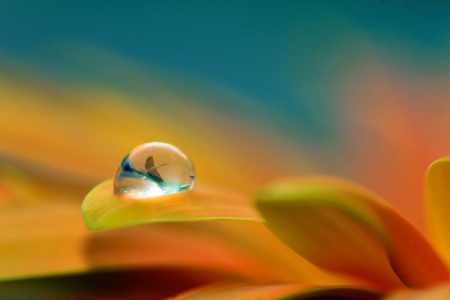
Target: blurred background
<point>252,91</point>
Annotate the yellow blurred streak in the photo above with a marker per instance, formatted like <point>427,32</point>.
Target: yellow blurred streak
<point>86,132</point>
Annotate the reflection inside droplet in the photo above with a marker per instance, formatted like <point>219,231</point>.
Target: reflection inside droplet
<point>154,169</point>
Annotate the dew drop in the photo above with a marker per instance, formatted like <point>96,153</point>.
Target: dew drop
<point>153,169</point>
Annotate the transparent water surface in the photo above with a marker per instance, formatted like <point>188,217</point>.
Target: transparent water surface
<point>154,169</point>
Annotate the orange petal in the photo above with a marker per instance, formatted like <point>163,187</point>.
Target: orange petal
<point>438,204</point>
<point>440,292</point>
<point>240,292</point>
<point>343,227</point>
<point>282,291</point>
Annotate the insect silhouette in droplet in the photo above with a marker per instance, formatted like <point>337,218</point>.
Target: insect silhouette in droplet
<point>151,170</point>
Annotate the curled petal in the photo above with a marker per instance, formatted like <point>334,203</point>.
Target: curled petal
<point>438,204</point>
<point>343,227</point>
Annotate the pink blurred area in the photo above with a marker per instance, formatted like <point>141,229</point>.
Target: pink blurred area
<point>396,124</point>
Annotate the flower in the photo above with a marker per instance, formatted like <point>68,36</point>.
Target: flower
<point>324,236</point>
<point>327,237</point>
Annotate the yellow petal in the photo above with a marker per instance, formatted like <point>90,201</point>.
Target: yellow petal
<point>102,209</point>
<point>342,227</point>
<point>438,205</point>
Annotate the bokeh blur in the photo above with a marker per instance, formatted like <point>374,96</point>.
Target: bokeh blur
<point>252,91</point>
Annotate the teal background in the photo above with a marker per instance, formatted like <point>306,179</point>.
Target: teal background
<point>286,55</point>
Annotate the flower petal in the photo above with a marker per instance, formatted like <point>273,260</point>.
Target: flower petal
<point>240,292</point>
<point>134,284</point>
<point>281,291</point>
<point>51,238</point>
<point>343,227</point>
<point>44,234</point>
<point>438,204</point>
<point>102,209</point>
<point>434,293</point>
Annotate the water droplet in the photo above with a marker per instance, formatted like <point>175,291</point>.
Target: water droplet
<point>154,169</point>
